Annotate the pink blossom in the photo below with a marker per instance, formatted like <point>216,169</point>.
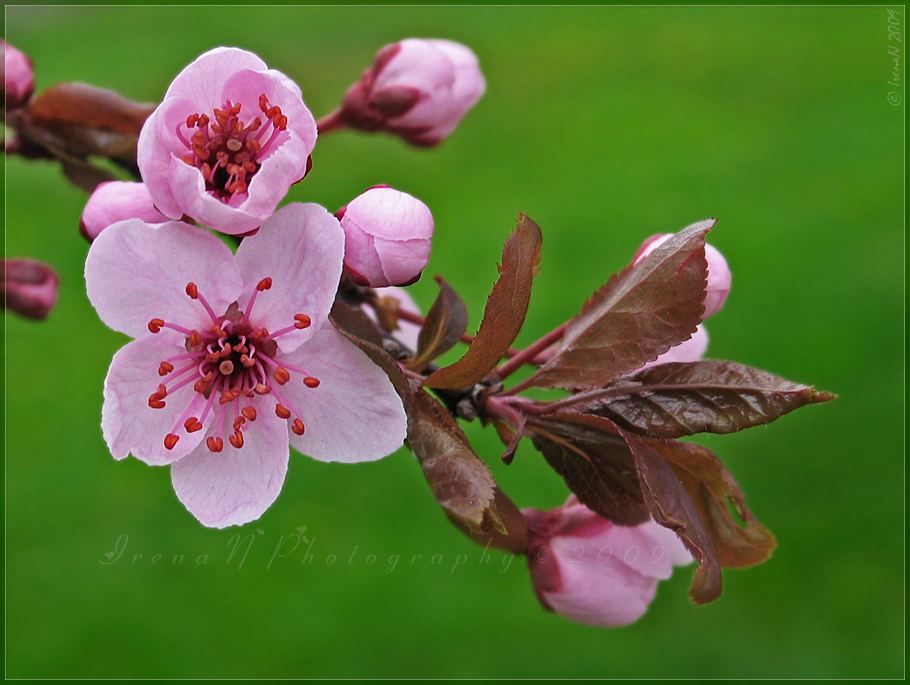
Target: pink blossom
<point>234,358</point>
<point>116,201</point>
<point>718,272</point>
<point>417,89</point>
<point>387,237</point>
<point>18,78</point>
<point>592,571</point>
<point>228,140</point>
<point>29,287</point>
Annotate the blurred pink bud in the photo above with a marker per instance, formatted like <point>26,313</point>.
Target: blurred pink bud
<point>691,350</point>
<point>387,237</point>
<point>718,272</point>
<point>29,287</point>
<point>417,89</point>
<point>591,570</point>
<point>18,79</point>
<point>116,201</point>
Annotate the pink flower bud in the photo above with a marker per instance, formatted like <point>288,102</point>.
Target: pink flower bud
<point>591,570</point>
<point>18,79</point>
<point>718,272</point>
<point>116,201</point>
<point>417,89</point>
<point>691,350</point>
<point>29,287</point>
<point>387,237</point>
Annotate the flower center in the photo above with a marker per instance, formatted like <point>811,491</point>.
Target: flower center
<point>231,362</point>
<point>228,152</point>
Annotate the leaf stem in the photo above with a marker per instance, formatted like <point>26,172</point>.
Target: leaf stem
<point>530,352</point>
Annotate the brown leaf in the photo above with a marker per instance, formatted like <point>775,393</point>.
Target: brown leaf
<point>85,176</point>
<point>514,540</point>
<point>673,400</point>
<point>91,107</point>
<point>595,462</point>
<point>78,120</point>
<point>640,313</point>
<point>672,507</point>
<point>711,485</point>
<point>460,481</point>
<point>504,314</point>
<point>446,322</point>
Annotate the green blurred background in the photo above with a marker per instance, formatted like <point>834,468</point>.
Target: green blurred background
<point>605,125</point>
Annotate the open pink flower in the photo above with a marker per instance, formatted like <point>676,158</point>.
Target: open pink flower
<point>592,571</point>
<point>228,140</point>
<point>234,358</point>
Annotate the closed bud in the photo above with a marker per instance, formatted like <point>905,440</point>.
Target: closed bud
<point>417,89</point>
<point>117,201</point>
<point>29,287</point>
<point>691,350</point>
<point>18,78</point>
<point>593,571</point>
<point>387,237</point>
<point>718,272</point>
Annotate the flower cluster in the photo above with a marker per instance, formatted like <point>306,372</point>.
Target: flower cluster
<point>233,357</point>
<point>301,334</point>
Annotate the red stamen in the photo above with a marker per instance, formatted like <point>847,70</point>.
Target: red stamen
<point>261,389</point>
<point>215,444</point>
<point>155,403</point>
<point>192,425</point>
<point>281,376</point>
<point>155,325</point>
<point>303,321</point>
<point>170,440</point>
<point>195,339</point>
<point>298,427</point>
<point>264,284</point>
<point>192,291</point>
<point>249,412</point>
<point>311,382</point>
<point>282,411</point>
<point>237,439</point>
<point>165,368</point>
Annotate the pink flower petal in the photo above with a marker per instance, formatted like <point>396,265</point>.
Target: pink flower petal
<point>187,187</point>
<point>157,144</point>
<point>129,424</point>
<point>135,273</point>
<point>354,414</point>
<point>300,248</point>
<point>603,594</point>
<point>203,80</point>
<point>235,486</point>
